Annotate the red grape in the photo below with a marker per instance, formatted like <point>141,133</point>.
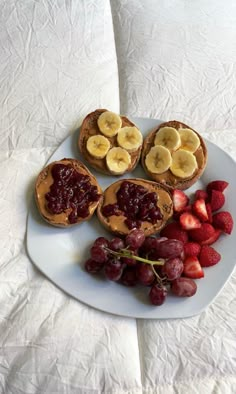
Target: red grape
<point>145,274</point>
<point>109,257</point>
<point>129,277</point>
<point>150,247</point>
<point>173,268</point>
<point>157,294</point>
<point>99,254</point>
<point>128,260</point>
<point>149,243</point>
<point>184,287</point>
<point>135,239</point>
<point>116,244</point>
<point>159,240</point>
<point>170,248</point>
<point>113,269</point>
<point>101,241</point>
<point>93,266</point>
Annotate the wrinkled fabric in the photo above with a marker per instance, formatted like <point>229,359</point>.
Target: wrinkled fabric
<point>59,61</point>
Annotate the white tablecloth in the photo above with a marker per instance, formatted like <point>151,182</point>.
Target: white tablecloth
<point>59,60</point>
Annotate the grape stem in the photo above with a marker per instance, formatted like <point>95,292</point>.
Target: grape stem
<point>129,255</point>
<point>159,279</point>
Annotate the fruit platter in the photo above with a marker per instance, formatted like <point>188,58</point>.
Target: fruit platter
<point>135,217</point>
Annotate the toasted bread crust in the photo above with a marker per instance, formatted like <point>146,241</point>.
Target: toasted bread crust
<point>89,128</point>
<point>117,226</point>
<point>42,187</point>
<point>167,178</point>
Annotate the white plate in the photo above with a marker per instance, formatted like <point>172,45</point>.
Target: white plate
<point>60,253</point>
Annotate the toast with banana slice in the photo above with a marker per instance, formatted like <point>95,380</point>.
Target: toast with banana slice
<point>135,203</point>
<point>109,142</point>
<point>174,155</point>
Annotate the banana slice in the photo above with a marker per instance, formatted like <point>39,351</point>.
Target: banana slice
<point>118,160</point>
<point>158,159</point>
<point>129,138</point>
<point>98,146</point>
<point>109,123</point>
<point>168,137</point>
<point>184,164</point>
<point>189,140</point>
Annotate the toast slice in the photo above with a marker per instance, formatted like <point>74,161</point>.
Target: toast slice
<point>90,128</point>
<point>116,223</point>
<point>167,178</point>
<point>69,190</point>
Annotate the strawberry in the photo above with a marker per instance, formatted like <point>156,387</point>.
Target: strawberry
<point>213,238</point>
<point>192,268</point>
<point>203,233</point>
<point>180,200</point>
<point>208,256</point>
<point>199,208</point>
<point>188,208</point>
<point>189,221</point>
<point>217,200</point>
<point>192,249</point>
<point>201,194</point>
<point>216,185</point>
<point>224,221</point>
<point>174,231</point>
<point>209,212</point>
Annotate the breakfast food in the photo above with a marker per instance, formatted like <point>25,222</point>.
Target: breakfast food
<point>174,154</point>
<point>149,261</point>
<point>198,226</point>
<point>135,203</point>
<point>172,261</point>
<point>109,142</point>
<point>66,193</point>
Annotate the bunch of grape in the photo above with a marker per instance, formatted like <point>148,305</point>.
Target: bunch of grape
<point>150,261</point>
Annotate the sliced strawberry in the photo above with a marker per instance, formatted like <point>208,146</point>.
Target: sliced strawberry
<point>217,200</point>
<point>203,233</point>
<point>217,185</point>
<point>209,212</point>
<point>174,231</point>
<point>199,208</point>
<point>224,221</point>
<point>188,208</point>
<point>192,268</point>
<point>180,200</point>
<point>213,238</point>
<point>208,256</point>
<point>189,221</point>
<point>192,249</point>
<point>201,194</point>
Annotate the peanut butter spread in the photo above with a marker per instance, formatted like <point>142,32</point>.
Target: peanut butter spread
<point>43,183</point>
<point>116,224</point>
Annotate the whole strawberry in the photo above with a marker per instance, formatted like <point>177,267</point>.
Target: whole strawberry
<point>224,221</point>
<point>217,185</point>
<point>174,231</point>
<point>208,256</point>
<point>217,200</point>
<point>191,249</point>
<point>203,233</point>
<point>201,194</point>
